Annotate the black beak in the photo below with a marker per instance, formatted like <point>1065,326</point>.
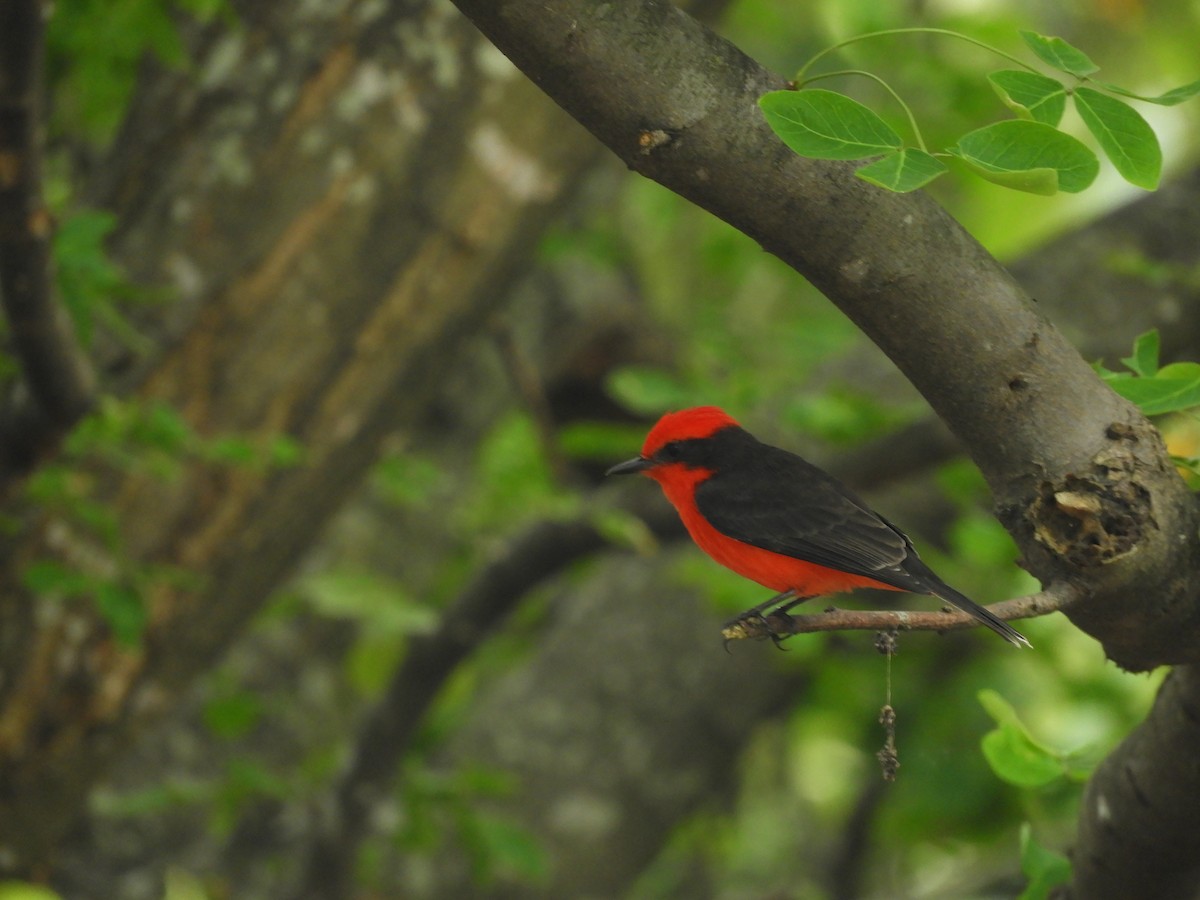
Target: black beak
<point>631,466</point>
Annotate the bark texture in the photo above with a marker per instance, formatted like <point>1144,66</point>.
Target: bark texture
<point>1139,829</point>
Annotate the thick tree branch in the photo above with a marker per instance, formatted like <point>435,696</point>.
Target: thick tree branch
<point>1139,829</point>
<point>58,377</point>
<point>1079,477</point>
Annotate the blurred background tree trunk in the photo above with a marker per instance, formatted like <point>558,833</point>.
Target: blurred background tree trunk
<point>340,200</point>
<point>344,201</point>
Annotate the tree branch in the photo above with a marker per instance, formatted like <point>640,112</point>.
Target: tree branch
<point>1056,598</point>
<point>58,376</point>
<point>1139,828</point>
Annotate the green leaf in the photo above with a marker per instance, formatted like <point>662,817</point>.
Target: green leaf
<point>87,279</point>
<point>826,125</point>
<point>1126,138</point>
<point>1144,360</point>
<point>1172,97</point>
<point>1012,752</point>
<point>1014,757</point>
<point>504,847</point>
<point>1176,95</point>
<point>1180,371</point>
<point>382,605</point>
<point>600,440</point>
<point>1001,711</point>
<point>647,390</point>
<point>1057,53</point>
<point>47,576</point>
<point>1028,156</point>
<point>408,480</point>
<point>1172,389</point>
<point>123,610</point>
<point>285,451</point>
<point>624,529</point>
<point>902,170</point>
<point>1030,95</point>
<point>232,715</point>
<point>1044,868</point>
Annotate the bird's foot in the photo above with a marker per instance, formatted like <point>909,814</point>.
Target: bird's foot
<point>753,625</point>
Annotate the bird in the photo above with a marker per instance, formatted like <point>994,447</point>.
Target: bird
<point>775,518</point>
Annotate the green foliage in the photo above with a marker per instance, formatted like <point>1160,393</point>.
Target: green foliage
<point>89,282</point>
<point>600,440</point>
<point>499,847</point>
<point>623,529</point>
<point>23,890</point>
<point>246,781</point>
<point>1027,154</point>
<point>440,805</point>
<point>1031,95</point>
<point>152,437</point>
<point>1124,136</point>
<point>128,436</point>
<point>380,603</point>
<point>408,480</point>
<point>1044,868</point>
<point>1058,54</point>
<point>95,47</point>
<point>1016,756</point>
<point>122,608</point>
<point>232,713</point>
<point>1155,390</point>
<point>385,610</point>
<point>646,390</point>
<point>843,416</point>
<point>515,479</point>
<point>826,125</point>
<point>902,170</point>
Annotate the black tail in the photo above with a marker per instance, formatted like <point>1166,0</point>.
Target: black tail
<point>992,621</point>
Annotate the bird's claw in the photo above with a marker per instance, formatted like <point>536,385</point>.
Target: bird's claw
<point>753,625</point>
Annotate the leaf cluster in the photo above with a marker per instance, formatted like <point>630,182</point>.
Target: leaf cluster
<point>151,439</point>
<point>1028,153</point>
<point>1155,389</point>
<point>95,49</point>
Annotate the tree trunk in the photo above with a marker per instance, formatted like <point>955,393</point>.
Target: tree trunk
<point>339,200</point>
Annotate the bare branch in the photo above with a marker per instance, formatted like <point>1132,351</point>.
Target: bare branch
<point>1056,598</point>
<point>58,375</point>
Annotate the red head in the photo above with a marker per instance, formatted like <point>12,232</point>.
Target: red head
<point>686,424</point>
<point>697,422</point>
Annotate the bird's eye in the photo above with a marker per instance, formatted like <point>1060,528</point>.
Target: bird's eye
<point>671,452</point>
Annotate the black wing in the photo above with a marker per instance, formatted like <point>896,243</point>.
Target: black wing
<point>775,500</point>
